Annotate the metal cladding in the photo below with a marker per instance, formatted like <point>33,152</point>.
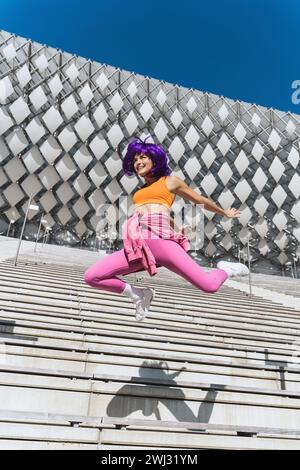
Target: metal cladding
<point>65,123</point>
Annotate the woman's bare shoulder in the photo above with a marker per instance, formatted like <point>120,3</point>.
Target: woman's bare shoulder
<point>174,182</point>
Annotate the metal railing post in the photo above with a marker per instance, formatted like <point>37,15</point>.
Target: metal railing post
<point>8,230</point>
<point>37,237</point>
<point>249,265</point>
<point>295,267</point>
<point>23,227</point>
<point>45,236</point>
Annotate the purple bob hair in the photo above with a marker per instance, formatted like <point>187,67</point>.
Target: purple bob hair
<point>155,152</point>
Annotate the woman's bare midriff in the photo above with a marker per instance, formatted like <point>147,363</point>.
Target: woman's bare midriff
<point>146,208</point>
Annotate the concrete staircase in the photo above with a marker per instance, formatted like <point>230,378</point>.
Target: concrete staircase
<point>282,284</point>
<point>203,371</point>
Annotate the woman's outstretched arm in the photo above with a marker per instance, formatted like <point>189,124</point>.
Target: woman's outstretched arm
<point>179,187</point>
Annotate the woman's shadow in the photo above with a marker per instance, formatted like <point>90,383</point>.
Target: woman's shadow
<point>132,398</point>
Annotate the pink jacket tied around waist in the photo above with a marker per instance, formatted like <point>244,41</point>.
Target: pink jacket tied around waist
<point>135,246</point>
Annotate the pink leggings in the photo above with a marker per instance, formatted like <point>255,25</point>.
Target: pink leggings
<point>167,253</point>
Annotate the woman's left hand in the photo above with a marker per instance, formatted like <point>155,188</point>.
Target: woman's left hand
<point>232,213</point>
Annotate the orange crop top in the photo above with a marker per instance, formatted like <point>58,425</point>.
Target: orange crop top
<point>155,193</point>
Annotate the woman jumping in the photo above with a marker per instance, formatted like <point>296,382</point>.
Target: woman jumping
<point>149,236</point>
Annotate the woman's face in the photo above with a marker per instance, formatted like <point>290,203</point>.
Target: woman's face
<point>142,164</point>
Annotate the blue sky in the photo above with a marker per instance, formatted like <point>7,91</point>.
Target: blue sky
<point>241,49</point>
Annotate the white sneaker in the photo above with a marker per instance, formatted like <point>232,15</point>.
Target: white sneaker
<point>233,269</point>
<point>143,305</point>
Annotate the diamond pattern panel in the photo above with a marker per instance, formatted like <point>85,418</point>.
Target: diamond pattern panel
<point>64,127</point>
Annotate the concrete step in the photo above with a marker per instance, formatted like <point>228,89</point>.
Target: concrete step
<point>84,321</point>
<point>207,373</point>
<point>47,433</point>
<point>45,444</point>
<point>108,395</point>
<point>55,337</point>
<point>81,294</point>
<point>50,277</point>
<point>173,440</point>
<point>29,430</point>
<point>225,362</point>
<point>46,280</point>
<point>30,327</point>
